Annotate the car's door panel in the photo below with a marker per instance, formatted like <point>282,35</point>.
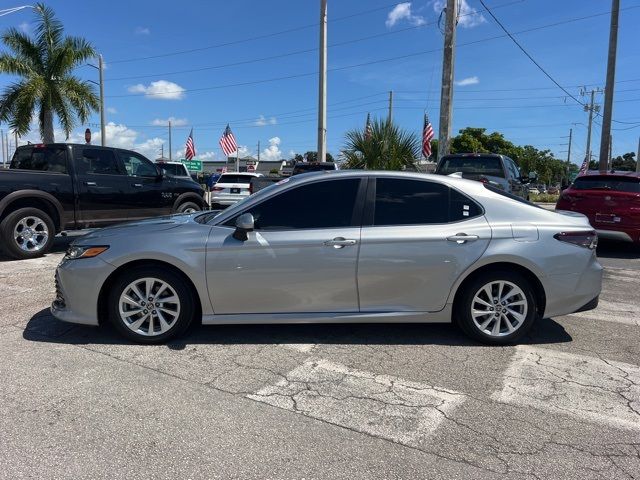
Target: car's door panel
<point>282,272</point>
<point>301,258</point>
<point>413,267</point>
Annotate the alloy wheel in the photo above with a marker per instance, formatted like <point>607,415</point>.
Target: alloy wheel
<point>499,308</point>
<point>31,234</point>
<point>149,306</point>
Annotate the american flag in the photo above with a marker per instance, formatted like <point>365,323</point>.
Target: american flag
<point>427,136</point>
<point>368,129</point>
<point>585,166</point>
<point>228,142</point>
<point>190,149</point>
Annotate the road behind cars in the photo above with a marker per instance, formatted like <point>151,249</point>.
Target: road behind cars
<point>320,401</point>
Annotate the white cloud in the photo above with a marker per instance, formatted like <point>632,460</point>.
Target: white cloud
<point>175,122</point>
<point>402,11</point>
<point>25,27</point>
<point>142,31</point>
<point>262,121</point>
<point>272,152</point>
<point>468,17</point>
<point>206,156</point>
<point>112,110</point>
<point>467,81</point>
<point>161,90</point>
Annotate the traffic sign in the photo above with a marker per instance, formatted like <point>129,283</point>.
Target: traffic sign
<point>193,165</point>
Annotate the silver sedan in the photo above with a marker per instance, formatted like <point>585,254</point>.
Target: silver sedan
<point>352,246</point>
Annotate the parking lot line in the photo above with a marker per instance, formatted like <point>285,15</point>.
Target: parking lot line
<point>612,312</point>
<point>380,405</point>
<point>589,388</point>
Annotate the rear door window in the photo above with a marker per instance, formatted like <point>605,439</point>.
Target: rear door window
<point>137,166</point>
<point>608,182</point>
<point>42,159</point>
<point>418,202</point>
<point>231,178</point>
<point>98,161</point>
<point>491,166</point>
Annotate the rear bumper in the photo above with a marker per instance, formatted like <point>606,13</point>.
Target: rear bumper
<point>620,235</point>
<point>589,305</point>
<point>571,292</point>
<point>227,199</point>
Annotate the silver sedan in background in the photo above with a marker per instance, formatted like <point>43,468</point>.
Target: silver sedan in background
<point>350,246</point>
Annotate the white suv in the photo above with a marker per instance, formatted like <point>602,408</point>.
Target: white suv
<point>231,188</point>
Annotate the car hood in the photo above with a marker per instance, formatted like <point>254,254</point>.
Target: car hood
<point>147,226</point>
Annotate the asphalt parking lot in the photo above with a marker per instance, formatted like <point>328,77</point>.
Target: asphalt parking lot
<point>341,401</point>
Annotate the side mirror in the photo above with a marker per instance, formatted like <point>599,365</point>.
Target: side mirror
<point>244,225</point>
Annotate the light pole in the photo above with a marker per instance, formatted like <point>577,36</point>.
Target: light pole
<point>100,69</point>
<point>322,85</point>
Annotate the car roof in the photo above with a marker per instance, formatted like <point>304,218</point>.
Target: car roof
<point>459,155</point>
<point>162,162</point>
<point>617,173</point>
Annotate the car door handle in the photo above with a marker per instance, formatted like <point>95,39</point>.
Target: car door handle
<point>91,184</point>
<point>461,238</point>
<point>137,185</point>
<point>340,242</point>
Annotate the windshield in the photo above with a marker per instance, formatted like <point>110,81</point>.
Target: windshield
<point>608,182</point>
<point>491,166</point>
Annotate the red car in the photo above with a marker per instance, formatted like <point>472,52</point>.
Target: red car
<point>611,200</point>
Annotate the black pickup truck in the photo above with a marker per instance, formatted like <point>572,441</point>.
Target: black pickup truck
<point>55,187</point>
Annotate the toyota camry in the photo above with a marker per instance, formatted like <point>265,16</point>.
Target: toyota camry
<point>326,247</point>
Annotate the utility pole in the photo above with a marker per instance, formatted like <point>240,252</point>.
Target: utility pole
<point>610,157</point>
<point>170,154</point>
<point>608,89</point>
<point>258,150</point>
<point>103,134</point>
<point>390,116</point>
<point>569,153</point>
<point>446,94</point>
<point>638,157</point>
<point>322,87</point>
<point>590,108</point>
<point>15,134</point>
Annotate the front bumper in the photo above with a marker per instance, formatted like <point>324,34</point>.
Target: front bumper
<point>78,283</point>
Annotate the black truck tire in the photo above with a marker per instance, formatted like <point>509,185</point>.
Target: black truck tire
<point>27,233</point>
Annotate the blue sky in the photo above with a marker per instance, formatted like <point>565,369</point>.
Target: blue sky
<point>500,89</point>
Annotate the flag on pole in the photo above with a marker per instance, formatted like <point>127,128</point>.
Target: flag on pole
<point>585,166</point>
<point>228,142</point>
<point>190,149</point>
<point>427,136</point>
<point>368,129</point>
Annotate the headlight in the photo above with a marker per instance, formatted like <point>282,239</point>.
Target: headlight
<point>84,251</point>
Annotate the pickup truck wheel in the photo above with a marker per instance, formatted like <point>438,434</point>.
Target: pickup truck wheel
<point>188,207</point>
<point>27,233</point>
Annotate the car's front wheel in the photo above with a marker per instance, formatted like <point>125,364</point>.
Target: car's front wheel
<point>150,305</point>
<point>27,233</point>
<point>497,307</point>
<point>189,207</point>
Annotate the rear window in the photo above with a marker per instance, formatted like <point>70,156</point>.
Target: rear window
<point>608,182</point>
<point>472,165</point>
<point>47,159</point>
<point>234,178</point>
<point>170,169</point>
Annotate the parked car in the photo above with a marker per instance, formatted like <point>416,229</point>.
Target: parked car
<point>401,247</point>
<point>497,170</point>
<point>610,200</point>
<point>231,188</point>
<point>533,191</point>
<point>56,187</point>
<point>175,169</point>
<point>259,183</point>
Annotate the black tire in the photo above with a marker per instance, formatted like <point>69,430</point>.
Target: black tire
<point>178,323</point>
<point>465,303</point>
<point>38,222</point>
<point>188,207</point>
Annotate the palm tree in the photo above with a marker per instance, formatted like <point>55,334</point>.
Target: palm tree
<point>385,147</point>
<point>47,86</point>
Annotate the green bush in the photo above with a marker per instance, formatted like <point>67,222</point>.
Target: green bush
<point>544,198</point>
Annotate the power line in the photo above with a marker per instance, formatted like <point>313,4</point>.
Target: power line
<point>291,30</point>
<point>388,59</point>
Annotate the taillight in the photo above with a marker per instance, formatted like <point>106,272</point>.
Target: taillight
<point>483,180</point>
<point>586,239</point>
<point>217,189</point>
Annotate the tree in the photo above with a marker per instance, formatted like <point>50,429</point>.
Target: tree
<point>624,162</point>
<point>312,156</point>
<point>46,85</point>
<point>386,148</point>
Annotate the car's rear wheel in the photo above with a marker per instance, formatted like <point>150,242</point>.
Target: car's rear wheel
<point>150,305</point>
<point>27,233</point>
<point>189,207</point>
<point>497,307</point>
